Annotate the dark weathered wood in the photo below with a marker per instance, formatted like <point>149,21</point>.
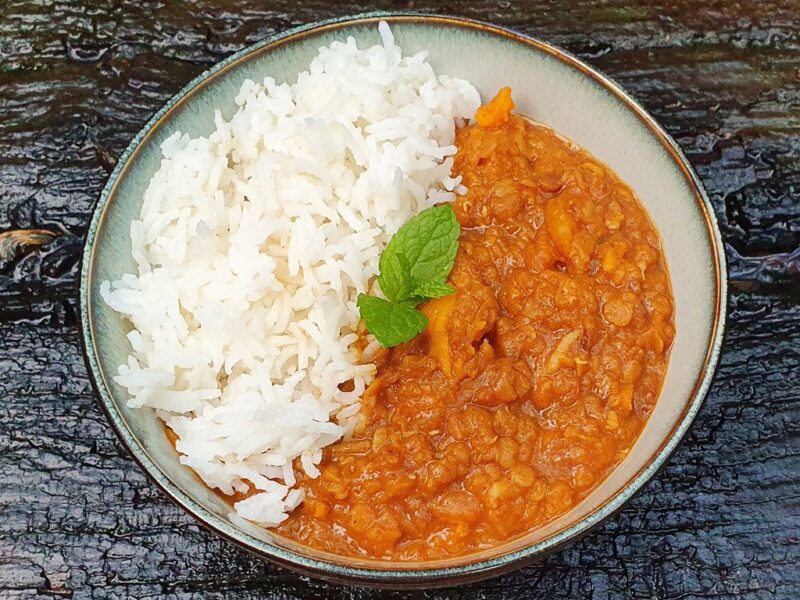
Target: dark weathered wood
<point>78,519</point>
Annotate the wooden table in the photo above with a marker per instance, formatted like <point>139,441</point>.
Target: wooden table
<point>79,77</point>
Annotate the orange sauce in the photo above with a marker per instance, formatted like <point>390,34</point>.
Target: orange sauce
<point>531,383</point>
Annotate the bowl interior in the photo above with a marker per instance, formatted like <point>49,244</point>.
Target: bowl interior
<point>547,87</point>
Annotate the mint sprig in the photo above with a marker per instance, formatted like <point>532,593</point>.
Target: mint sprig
<point>391,323</point>
<point>413,268</point>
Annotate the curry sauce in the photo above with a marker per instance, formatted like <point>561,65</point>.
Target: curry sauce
<point>530,383</point>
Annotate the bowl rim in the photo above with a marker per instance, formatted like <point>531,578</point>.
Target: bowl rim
<point>469,571</point>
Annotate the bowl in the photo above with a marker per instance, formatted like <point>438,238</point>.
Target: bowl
<point>550,86</point>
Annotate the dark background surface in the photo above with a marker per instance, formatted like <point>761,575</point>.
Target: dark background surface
<point>79,78</point>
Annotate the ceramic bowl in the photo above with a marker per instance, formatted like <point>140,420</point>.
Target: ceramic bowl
<point>550,86</point>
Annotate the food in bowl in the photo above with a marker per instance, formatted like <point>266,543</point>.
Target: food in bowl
<point>512,391</point>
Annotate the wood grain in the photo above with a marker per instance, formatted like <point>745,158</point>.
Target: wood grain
<point>79,78</point>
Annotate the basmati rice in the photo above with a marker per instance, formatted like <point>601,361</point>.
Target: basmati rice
<point>251,248</point>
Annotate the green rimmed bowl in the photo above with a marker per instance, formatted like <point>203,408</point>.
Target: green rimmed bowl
<point>550,86</point>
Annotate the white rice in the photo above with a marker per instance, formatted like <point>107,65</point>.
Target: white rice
<point>252,246</point>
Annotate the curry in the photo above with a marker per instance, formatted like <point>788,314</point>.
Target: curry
<point>529,384</point>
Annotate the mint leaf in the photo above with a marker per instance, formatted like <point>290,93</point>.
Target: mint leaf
<point>391,323</point>
<point>413,267</point>
<point>432,289</point>
<point>422,250</point>
<point>395,277</point>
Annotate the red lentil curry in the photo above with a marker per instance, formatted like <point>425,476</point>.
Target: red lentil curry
<point>529,384</point>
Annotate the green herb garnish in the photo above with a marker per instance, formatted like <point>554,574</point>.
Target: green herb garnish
<point>414,267</point>
<point>391,323</point>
